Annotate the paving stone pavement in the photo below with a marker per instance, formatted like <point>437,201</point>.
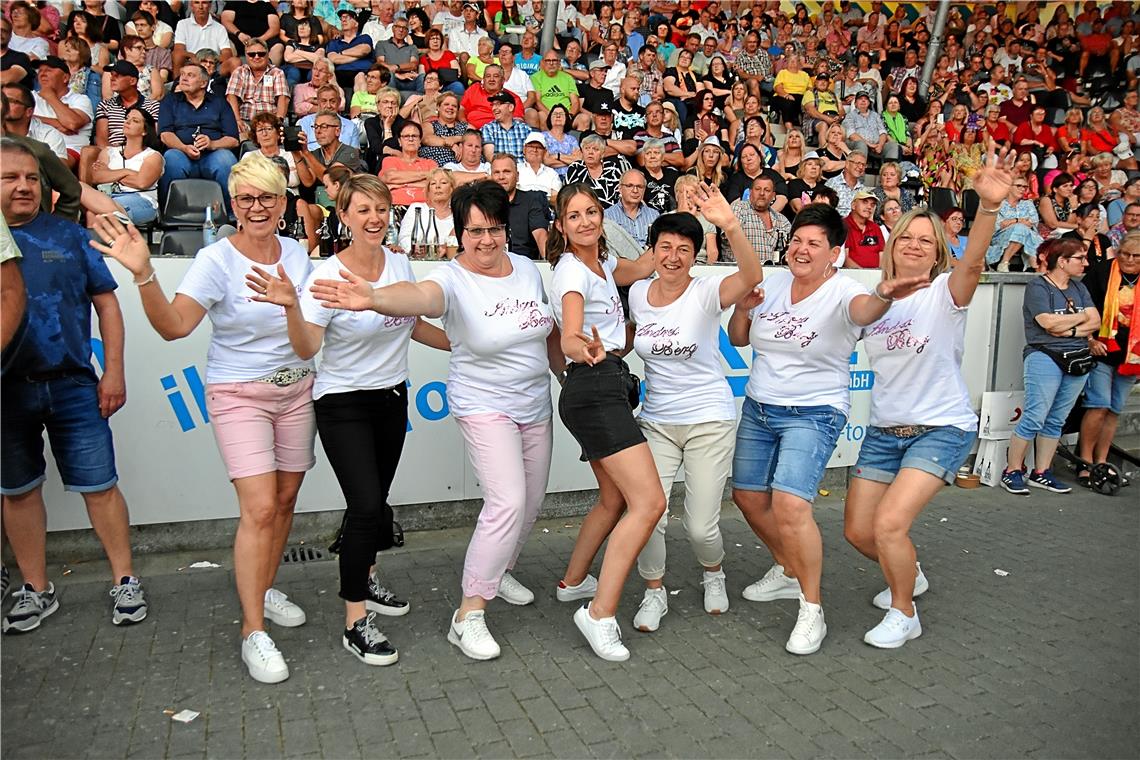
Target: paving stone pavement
<point>1040,663</point>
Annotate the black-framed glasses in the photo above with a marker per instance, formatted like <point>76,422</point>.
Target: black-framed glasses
<point>255,54</point>
<point>326,126</point>
<point>245,202</point>
<point>410,136</point>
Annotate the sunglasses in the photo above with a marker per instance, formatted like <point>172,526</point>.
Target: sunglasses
<point>252,54</point>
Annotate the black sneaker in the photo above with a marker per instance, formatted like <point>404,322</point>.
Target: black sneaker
<point>384,601</point>
<point>30,609</point>
<point>130,602</point>
<point>369,645</point>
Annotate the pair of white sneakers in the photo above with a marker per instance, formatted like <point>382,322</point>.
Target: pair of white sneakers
<point>655,603</point>
<point>261,656</point>
<point>471,634</point>
<point>807,636</point>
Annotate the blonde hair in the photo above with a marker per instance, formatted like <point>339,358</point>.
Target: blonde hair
<point>367,185</point>
<point>388,92</point>
<point>942,246</point>
<point>440,171</point>
<point>1131,241</point>
<point>684,182</point>
<point>258,171</point>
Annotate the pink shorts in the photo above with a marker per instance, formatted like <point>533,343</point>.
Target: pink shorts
<point>262,427</point>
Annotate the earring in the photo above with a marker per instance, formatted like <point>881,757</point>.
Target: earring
<point>348,234</point>
<point>281,224</point>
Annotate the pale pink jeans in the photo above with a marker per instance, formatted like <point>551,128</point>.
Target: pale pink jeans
<point>512,462</point>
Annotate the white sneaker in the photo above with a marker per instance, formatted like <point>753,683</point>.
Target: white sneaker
<point>584,590</point>
<point>810,629</point>
<point>716,596</point>
<point>1003,266</point>
<point>895,630</point>
<point>513,592</point>
<point>280,611</point>
<point>654,606</point>
<point>774,585</point>
<point>603,636</point>
<point>263,659</point>
<point>882,599</point>
<point>472,637</point>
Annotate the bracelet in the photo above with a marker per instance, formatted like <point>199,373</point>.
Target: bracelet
<point>991,211</point>
<point>1073,332</point>
<point>148,280</point>
<point>880,296</point>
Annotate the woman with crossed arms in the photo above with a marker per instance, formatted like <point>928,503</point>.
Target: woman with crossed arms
<point>802,328</point>
<point>258,392</point>
<point>689,412</point>
<point>361,400</point>
<point>503,344</point>
<point>922,423</point>
<point>595,405</point>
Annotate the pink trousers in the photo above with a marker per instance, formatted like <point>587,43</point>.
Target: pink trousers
<point>512,462</point>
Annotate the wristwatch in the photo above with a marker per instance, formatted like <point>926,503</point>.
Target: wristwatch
<point>1073,332</point>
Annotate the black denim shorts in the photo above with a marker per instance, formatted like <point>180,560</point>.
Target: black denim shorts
<point>595,408</point>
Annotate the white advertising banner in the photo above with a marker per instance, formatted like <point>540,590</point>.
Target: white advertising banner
<point>170,470</point>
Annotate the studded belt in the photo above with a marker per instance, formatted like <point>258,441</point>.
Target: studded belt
<point>287,376</point>
<point>907,431</point>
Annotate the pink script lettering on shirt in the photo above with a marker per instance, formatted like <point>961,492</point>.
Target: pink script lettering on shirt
<point>789,327</point>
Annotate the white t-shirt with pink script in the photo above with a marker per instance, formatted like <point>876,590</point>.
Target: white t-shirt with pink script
<point>803,350</point>
<point>680,346</point>
<point>603,308</point>
<point>498,328</point>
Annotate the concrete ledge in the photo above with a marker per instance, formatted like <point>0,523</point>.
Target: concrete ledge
<point>318,528</point>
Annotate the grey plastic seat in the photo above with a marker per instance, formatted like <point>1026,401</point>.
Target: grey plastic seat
<point>184,242</point>
<point>186,203</point>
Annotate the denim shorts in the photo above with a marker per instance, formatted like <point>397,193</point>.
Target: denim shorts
<point>785,448</point>
<point>939,451</point>
<point>594,407</point>
<point>1107,389</point>
<point>68,408</point>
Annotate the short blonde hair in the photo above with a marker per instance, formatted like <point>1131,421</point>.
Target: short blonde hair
<point>942,254</point>
<point>441,172</point>
<point>365,184</point>
<point>388,92</point>
<point>256,170</point>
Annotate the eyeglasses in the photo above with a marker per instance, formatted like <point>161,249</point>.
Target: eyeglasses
<point>245,202</point>
<point>1128,256</point>
<point>925,243</point>
<point>254,54</point>
<point>326,126</point>
<point>410,136</point>
<point>632,186</point>
<point>265,128</point>
<point>1076,258</point>
<point>498,230</point>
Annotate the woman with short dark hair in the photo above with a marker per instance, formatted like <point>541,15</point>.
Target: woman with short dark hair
<point>503,343</point>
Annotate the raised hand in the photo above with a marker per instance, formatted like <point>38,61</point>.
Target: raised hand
<point>353,293</point>
<point>272,289</point>
<point>713,205</point>
<point>901,287</point>
<point>123,243</point>
<point>993,180</point>
<point>754,298</point>
<point>593,350</point>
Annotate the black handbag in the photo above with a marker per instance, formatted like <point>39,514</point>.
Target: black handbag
<point>633,388</point>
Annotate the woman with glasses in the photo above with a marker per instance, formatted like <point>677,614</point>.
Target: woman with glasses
<point>258,391</point>
<point>1059,317</point>
<point>953,220</point>
<point>360,398</point>
<point>1057,206</point>
<point>503,345</point>
<point>406,174</point>
<point>1015,233</point>
<point>266,129</point>
<point>922,423</point>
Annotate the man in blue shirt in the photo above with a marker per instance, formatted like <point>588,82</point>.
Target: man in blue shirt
<point>199,131</point>
<point>49,383</point>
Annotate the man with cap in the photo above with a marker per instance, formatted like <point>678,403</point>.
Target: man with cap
<point>766,228</point>
<point>200,30</point>
<point>594,93</point>
<point>864,237</point>
<point>506,134</point>
<point>464,42</point>
<point>533,173</point>
<point>630,212</point>
<point>59,107</point>
<point>476,108</point>
<point>352,53</point>
<point>112,112</point>
<point>820,108</point>
<point>257,87</point>
<point>604,128</point>
<point>866,131</point>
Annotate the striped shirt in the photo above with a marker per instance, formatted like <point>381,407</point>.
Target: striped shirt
<point>113,110</point>
<point>637,226</point>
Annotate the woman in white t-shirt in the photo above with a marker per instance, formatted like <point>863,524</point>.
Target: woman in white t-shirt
<point>361,400</point>
<point>922,423</point>
<point>596,405</point>
<point>689,412</point>
<point>802,328</point>
<point>501,328</point>
<point>258,392</point>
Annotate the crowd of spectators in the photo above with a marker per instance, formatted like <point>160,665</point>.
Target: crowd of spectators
<point>778,105</point>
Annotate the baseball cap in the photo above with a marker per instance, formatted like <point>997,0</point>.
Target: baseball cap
<point>863,195</point>
<point>862,94</point>
<point>604,109</point>
<point>535,137</point>
<point>598,64</point>
<point>124,68</point>
<point>501,97</point>
<point>474,6</point>
<point>347,12</point>
<point>53,62</point>
<point>823,75</point>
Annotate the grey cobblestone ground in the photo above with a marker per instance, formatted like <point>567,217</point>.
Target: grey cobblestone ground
<point>1040,663</point>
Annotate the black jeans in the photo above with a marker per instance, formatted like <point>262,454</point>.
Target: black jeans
<point>363,436</point>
